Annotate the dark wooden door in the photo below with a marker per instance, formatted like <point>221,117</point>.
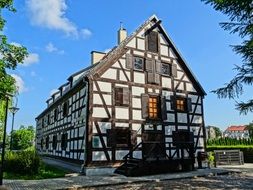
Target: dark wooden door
<point>153,146</point>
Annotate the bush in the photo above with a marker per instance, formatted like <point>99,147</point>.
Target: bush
<point>22,162</point>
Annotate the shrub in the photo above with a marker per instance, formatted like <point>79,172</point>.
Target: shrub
<point>22,162</point>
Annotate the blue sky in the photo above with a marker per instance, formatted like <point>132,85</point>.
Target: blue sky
<point>60,34</point>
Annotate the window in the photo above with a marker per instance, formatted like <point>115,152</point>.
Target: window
<point>48,119</point>
<point>181,104</point>
<point>138,63</point>
<point>153,107</point>
<point>41,144</point>
<point>165,69</point>
<point>54,142</point>
<point>121,137</point>
<point>121,96</point>
<point>56,114</point>
<point>153,41</point>
<point>64,141</point>
<point>65,109</point>
<point>47,142</point>
<point>96,142</point>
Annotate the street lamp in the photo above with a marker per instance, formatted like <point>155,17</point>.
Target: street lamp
<point>13,110</point>
<point>7,96</point>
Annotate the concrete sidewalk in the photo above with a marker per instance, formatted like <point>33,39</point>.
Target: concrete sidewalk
<point>91,181</point>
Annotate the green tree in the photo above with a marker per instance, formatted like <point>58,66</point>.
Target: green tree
<point>250,128</point>
<point>10,56</point>
<point>241,22</point>
<point>23,138</point>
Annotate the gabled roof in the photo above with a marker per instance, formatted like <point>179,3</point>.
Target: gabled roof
<point>117,51</point>
<point>237,128</point>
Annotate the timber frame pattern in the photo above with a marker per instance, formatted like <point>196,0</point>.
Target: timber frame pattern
<point>93,116</point>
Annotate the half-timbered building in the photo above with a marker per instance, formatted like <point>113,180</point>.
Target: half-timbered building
<point>137,108</point>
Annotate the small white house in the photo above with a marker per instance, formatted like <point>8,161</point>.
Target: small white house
<point>237,132</point>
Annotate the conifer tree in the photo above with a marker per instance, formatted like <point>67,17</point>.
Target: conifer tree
<point>241,22</point>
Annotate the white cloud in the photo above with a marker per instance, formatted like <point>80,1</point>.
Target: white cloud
<point>20,84</point>
<point>85,33</point>
<point>31,59</point>
<point>51,48</point>
<point>53,91</point>
<point>51,14</point>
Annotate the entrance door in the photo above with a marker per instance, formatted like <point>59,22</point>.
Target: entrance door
<point>153,146</point>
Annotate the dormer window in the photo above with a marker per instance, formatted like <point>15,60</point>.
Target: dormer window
<point>153,41</point>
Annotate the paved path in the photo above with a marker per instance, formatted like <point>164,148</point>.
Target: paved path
<point>72,183</point>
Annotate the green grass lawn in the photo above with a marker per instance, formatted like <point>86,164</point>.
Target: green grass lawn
<point>45,172</point>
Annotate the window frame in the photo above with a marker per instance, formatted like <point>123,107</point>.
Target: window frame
<point>169,68</point>
<point>149,40</point>
<point>156,107</point>
<point>54,142</point>
<point>119,93</point>
<point>134,63</point>
<point>184,105</point>
<point>65,109</point>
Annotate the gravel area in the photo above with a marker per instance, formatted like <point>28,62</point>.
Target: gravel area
<point>231,181</point>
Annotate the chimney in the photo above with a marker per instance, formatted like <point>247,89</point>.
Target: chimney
<point>122,34</point>
<point>96,56</point>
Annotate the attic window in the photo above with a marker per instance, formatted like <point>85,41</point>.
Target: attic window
<point>138,63</point>
<point>165,69</point>
<point>153,41</point>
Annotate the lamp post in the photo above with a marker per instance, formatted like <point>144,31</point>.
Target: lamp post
<point>13,110</point>
<point>4,137</point>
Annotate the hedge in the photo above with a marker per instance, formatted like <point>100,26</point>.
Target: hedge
<point>247,151</point>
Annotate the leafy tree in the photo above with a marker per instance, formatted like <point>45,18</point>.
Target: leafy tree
<point>23,138</point>
<point>250,128</point>
<point>241,22</point>
<point>10,56</point>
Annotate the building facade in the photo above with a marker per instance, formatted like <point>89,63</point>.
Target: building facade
<point>237,132</point>
<point>139,100</point>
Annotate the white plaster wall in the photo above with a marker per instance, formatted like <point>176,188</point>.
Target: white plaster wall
<point>110,74</point>
<point>137,115</point>
<point>136,102</point>
<point>197,119</point>
<point>100,155</point>
<point>168,129</point>
<point>100,112</point>
<point>121,113</point>
<point>132,43</point>
<point>137,91</point>
<point>141,44</point>
<point>190,88</point>
<point>164,50</point>
<point>193,98</point>
<point>182,117</point>
<point>166,82</point>
<point>171,117</point>
<point>122,76</point>
<point>120,154</point>
<point>137,127</point>
<point>139,53</point>
<point>103,127</point>
<point>172,54</point>
<point>139,77</point>
<point>105,86</point>
<point>119,124</point>
<point>137,154</point>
